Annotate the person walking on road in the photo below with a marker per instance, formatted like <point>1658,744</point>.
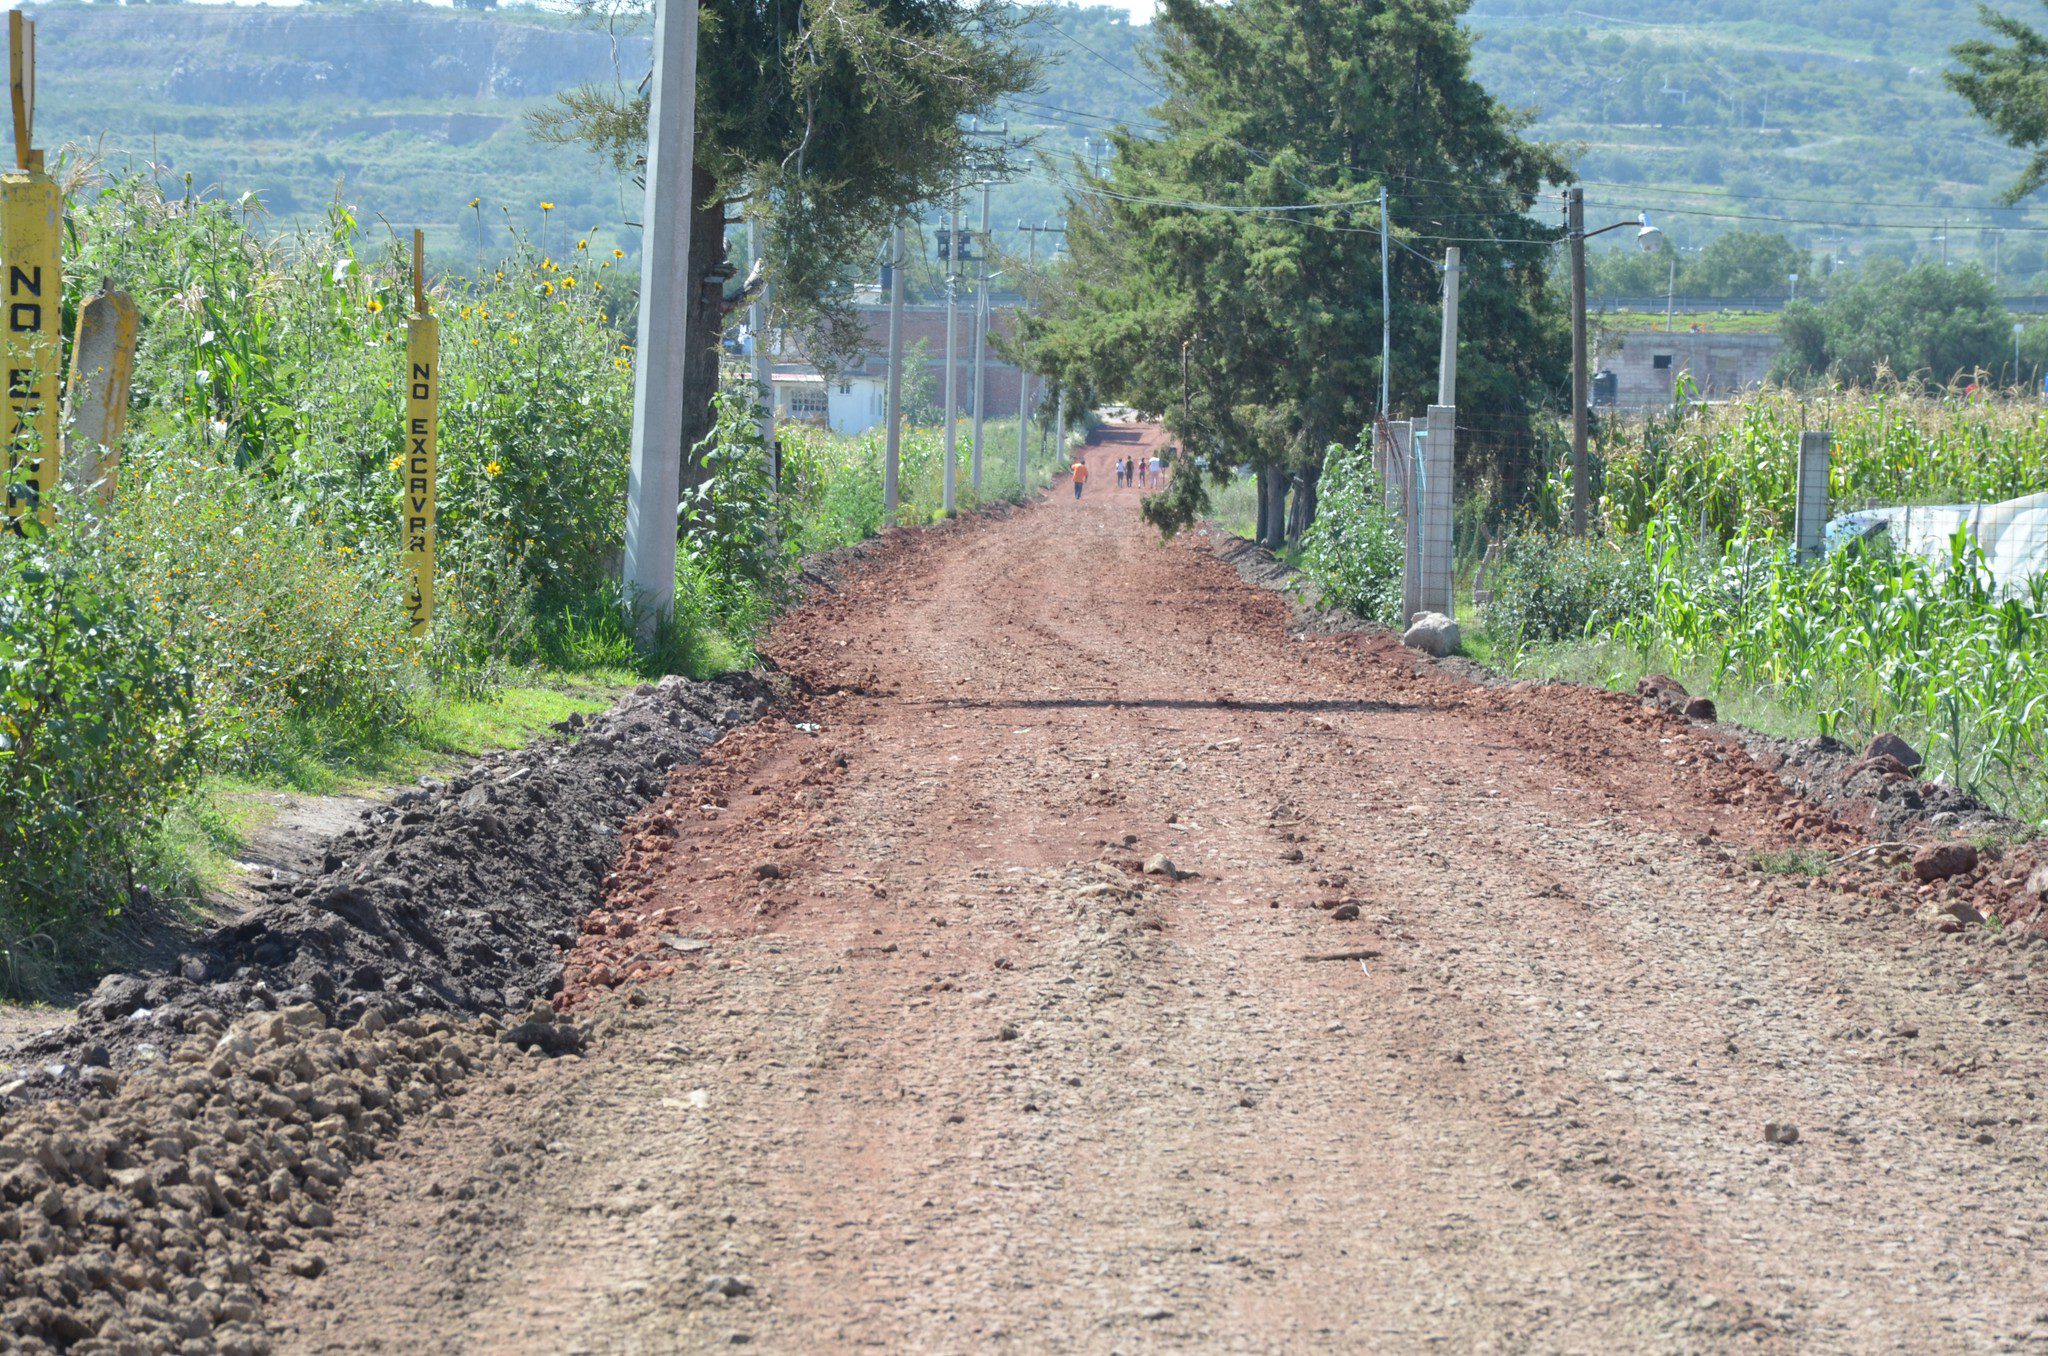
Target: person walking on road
<point>1080,475</point>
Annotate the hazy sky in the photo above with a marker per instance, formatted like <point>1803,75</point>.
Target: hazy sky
<point>1139,10</point>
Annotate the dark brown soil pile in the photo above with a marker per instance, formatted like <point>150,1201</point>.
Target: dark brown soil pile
<point>457,897</point>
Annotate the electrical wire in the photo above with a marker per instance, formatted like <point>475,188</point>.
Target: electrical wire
<point>1934,225</point>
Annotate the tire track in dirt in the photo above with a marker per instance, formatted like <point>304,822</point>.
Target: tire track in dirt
<point>959,1073</point>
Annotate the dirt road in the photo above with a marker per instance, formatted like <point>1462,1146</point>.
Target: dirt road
<point>939,1067</point>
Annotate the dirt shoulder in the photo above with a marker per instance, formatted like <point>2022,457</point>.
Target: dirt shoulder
<point>1460,1021</point>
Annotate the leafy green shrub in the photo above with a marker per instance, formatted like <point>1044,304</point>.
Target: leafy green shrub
<point>737,528</point>
<point>97,730</point>
<point>1550,586</point>
<point>1353,552</point>
<point>280,624</point>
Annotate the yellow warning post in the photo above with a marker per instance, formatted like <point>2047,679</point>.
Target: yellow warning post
<point>422,433</point>
<point>31,295</point>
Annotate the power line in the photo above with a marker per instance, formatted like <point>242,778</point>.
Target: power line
<point>1930,225</point>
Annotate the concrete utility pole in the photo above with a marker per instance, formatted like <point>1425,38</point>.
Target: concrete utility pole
<point>1386,305</point>
<point>1023,376</point>
<point>952,329</point>
<point>757,321</point>
<point>1447,361</point>
<point>655,475</point>
<point>1582,474</point>
<point>891,458</point>
<point>981,342</point>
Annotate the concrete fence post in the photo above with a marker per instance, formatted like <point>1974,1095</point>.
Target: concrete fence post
<point>1411,445</point>
<point>1810,503</point>
<point>1437,464</point>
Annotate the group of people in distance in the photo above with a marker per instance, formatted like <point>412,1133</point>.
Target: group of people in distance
<point>1148,472</point>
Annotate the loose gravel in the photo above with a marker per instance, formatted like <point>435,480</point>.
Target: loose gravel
<point>182,1140</point>
<point>456,897</point>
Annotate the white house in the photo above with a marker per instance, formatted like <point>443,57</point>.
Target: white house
<point>850,404</point>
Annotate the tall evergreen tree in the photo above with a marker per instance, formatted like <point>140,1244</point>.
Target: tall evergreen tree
<point>1226,267</point>
<point>2007,83</point>
<point>825,120</point>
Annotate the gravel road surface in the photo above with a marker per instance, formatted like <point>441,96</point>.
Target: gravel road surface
<point>1457,1023</point>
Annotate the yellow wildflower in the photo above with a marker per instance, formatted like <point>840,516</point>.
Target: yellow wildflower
<point>475,202</point>
<point>375,306</point>
<point>568,280</point>
<point>493,470</point>
<point>583,244</point>
<point>547,207</point>
<point>618,254</point>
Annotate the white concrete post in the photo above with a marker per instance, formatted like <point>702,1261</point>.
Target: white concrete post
<point>757,321</point>
<point>893,445</point>
<point>952,477</point>
<point>1427,577</point>
<point>1447,361</point>
<point>1411,444</point>
<point>654,476</point>
<point>1023,375</point>
<point>1810,506</point>
<point>1439,464</point>
<point>981,343</point>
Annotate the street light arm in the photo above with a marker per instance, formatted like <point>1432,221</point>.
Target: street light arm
<point>1637,222</point>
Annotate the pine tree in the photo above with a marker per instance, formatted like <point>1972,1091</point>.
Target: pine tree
<point>2007,84</point>
<point>1202,290</point>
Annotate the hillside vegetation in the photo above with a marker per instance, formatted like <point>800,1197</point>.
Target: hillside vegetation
<point>1830,122</point>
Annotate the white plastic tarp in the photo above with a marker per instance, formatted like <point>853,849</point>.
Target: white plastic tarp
<point>2013,535</point>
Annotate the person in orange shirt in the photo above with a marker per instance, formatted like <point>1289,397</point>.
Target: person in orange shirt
<point>1080,475</point>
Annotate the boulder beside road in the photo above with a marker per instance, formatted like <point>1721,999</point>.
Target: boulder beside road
<point>1432,633</point>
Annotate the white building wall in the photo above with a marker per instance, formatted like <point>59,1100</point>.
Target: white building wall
<point>856,404</point>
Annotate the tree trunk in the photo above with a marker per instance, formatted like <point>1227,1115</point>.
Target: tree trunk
<point>706,319</point>
<point>1273,481</point>
<point>1304,515</point>
<point>1265,502</point>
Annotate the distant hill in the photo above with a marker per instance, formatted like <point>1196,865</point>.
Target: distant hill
<point>408,112</point>
<point>1827,120</point>
<point>1819,113</point>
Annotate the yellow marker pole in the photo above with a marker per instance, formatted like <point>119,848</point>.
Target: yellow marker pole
<point>31,296</point>
<point>422,435</point>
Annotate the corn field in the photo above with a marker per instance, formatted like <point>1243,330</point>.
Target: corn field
<point>1870,639</point>
<point>1728,469</point>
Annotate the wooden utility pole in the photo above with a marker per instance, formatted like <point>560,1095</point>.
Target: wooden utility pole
<point>892,456</point>
<point>654,480</point>
<point>981,344</point>
<point>952,472</point>
<point>1447,361</point>
<point>1582,474</point>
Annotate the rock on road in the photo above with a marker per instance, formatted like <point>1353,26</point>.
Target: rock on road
<point>940,1066</point>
